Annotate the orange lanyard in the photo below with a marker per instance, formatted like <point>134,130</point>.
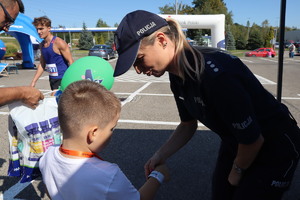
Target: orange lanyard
<point>78,153</point>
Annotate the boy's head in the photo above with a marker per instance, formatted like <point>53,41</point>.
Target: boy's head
<point>42,21</point>
<point>42,25</point>
<point>86,107</point>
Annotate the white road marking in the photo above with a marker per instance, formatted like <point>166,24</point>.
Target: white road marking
<point>132,76</point>
<point>152,122</point>
<point>291,98</point>
<point>46,93</point>
<point>44,78</point>
<point>4,113</point>
<point>269,59</point>
<point>128,99</point>
<point>146,94</point>
<point>43,90</point>
<point>264,81</point>
<point>246,60</point>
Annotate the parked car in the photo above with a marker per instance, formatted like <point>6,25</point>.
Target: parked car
<point>261,52</point>
<point>287,44</point>
<point>297,44</point>
<point>103,51</point>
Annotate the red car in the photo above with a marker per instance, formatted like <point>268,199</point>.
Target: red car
<point>261,52</point>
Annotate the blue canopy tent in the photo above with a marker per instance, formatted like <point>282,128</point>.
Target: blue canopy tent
<point>22,29</point>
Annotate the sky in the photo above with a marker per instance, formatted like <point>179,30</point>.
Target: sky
<point>72,13</point>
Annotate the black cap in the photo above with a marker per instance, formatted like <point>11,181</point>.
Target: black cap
<point>132,29</point>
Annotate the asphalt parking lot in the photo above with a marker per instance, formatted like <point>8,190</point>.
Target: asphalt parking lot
<point>148,117</point>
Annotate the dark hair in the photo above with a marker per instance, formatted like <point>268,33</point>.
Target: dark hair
<point>43,21</point>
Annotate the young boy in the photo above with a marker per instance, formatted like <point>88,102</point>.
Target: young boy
<point>88,113</point>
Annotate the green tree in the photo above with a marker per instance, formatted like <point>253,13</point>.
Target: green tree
<point>269,37</point>
<point>110,41</point>
<point>86,39</point>
<point>101,37</point>
<point>239,34</point>
<point>182,9</point>
<point>214,7</point>
<point>101,23</point>
<point>229,39</point>
<point>265,28</point>
<point>255,37</point>
<point>210,6</point>
<point>171,9</point>
<point>196,35</point>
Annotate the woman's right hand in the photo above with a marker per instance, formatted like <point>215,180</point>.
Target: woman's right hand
<point>150,165</point>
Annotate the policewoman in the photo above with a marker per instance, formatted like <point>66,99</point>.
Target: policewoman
<point>260,144</point>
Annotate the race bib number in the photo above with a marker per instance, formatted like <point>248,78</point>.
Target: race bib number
<point>52,69</point>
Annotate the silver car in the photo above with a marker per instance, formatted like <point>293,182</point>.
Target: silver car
<point>102,51</point>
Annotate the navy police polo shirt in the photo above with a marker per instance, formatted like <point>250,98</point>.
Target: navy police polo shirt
<point>229,99</point>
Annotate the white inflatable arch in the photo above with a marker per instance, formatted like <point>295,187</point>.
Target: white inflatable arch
<point>214,22</point>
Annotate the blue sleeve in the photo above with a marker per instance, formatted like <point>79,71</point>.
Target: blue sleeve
<point>122,188</point>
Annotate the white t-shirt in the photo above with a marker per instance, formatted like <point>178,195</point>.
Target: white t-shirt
<point>86,178</point>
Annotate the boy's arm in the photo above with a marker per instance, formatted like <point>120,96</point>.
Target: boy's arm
<point>37,75</point>
<point>149,189</point>
<point>39,71</point>
<point>64,49</point>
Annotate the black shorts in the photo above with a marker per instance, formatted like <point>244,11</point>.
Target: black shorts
<point>54,83</point>
<point>271,173</point>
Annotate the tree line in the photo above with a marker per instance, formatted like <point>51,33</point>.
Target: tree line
<point>237,36</point>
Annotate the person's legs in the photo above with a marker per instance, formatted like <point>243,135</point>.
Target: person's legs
<point>54,83</point>
<point>221,188</point>
<point>272,172</point>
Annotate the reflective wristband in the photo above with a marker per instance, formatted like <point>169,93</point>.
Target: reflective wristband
<point>158,176</point>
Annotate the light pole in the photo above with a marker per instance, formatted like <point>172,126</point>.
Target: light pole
<point>176,9</point>
<point>281,49</point>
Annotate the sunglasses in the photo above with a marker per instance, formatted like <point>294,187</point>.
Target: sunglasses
<point>8,19</point>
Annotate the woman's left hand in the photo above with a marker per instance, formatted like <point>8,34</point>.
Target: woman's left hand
<point>234,177</point>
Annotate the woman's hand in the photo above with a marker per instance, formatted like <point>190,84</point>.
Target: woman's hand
<point>235,176</point>
<point>150,165</point>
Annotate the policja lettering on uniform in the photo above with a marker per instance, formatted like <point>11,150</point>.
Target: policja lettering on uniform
<point>243,125</point>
